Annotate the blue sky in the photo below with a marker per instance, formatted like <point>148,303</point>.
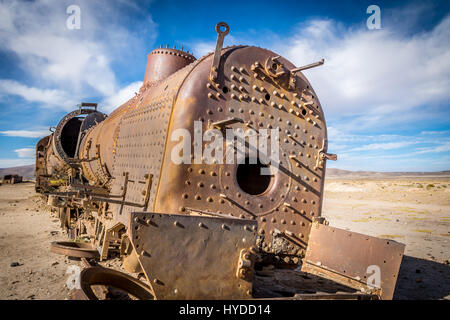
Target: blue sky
<point>385,92</point>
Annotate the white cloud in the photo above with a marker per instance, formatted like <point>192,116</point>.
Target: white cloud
<point>66,66</point>
<point>26,133</point>
<point>48,97</point>
<point>441,147</point>
<point>383,146</point>
<point>374,78</point>
<point>202,47</point>
<point>424,151</point>
<point>8,163</point>
<point>443,132</point>
<point>25,152</point>
<point>373,73</point>
<point>120,97</point>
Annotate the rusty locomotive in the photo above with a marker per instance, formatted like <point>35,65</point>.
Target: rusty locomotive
<point>206,230</point>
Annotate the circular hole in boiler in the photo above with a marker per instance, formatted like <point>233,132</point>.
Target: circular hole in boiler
<point>267,96</point>
<point>250,179</point>
<point>225,90</point>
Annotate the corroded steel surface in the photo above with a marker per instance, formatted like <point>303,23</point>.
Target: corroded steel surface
<point>135,142</point>
<point>294,197</point>
<point>351,258</point>
<point>122,168</point>
<point>183,256</point>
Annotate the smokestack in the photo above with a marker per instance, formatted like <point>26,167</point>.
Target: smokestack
<point>162,62</point>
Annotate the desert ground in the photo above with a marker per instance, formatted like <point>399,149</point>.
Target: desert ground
<point>411,210</point>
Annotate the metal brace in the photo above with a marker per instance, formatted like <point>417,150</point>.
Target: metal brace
<point>221,124</point>
<point>308,66</point>
<point>322,155</point>
<point>213,76</point>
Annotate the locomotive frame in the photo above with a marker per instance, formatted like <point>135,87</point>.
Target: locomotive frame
<point>202,230</point>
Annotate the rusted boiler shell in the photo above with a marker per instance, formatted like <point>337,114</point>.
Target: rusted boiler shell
<point>136,140</point>
<point>161,184</point>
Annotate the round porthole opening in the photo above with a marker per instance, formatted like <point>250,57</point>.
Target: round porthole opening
<point>250,179</point>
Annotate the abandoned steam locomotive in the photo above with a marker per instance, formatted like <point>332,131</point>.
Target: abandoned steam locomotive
<point>138,182</point>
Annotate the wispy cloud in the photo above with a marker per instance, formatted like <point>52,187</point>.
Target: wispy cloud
<point>383,146</point>
<point>120,97</point>
<point>26,133</point>
<point>47,97</point>
<point>65,65</point>
<point>8,163</point>
<point>374,78</point>
<point>373,74</point>
<point>440,147</point>
<point>25,153</point>
<point>417,152</point>
<point>202,47</point>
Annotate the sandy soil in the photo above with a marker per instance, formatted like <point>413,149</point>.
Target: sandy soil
<point>412,211</point>
<point>26,230</point>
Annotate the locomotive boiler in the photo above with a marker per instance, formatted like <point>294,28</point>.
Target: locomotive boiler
<point>160,183</point>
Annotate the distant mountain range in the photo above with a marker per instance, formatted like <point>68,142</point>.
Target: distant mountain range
<point>28,172</point>
<point>332,172</point>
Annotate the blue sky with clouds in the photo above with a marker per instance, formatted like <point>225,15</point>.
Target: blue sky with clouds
<point>385,93</point>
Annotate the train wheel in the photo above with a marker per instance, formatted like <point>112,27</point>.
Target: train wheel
<point>74,249</point>
<point>128,286</point>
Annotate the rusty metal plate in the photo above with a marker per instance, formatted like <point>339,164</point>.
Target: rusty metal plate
<point>192,257</point>
<point>347,257</point>
<point>294,196</point>
<point>141,143</point>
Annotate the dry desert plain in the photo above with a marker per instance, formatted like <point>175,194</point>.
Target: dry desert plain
<point>414,210</point>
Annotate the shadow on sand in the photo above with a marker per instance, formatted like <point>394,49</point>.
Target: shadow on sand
<point>421,279</point>
<point>418,279</point>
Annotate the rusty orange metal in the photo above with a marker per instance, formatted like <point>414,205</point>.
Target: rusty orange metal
<point>122,169</point>
<point>354,259</point>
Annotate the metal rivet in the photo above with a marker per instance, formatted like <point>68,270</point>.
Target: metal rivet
<point>177,224</point>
